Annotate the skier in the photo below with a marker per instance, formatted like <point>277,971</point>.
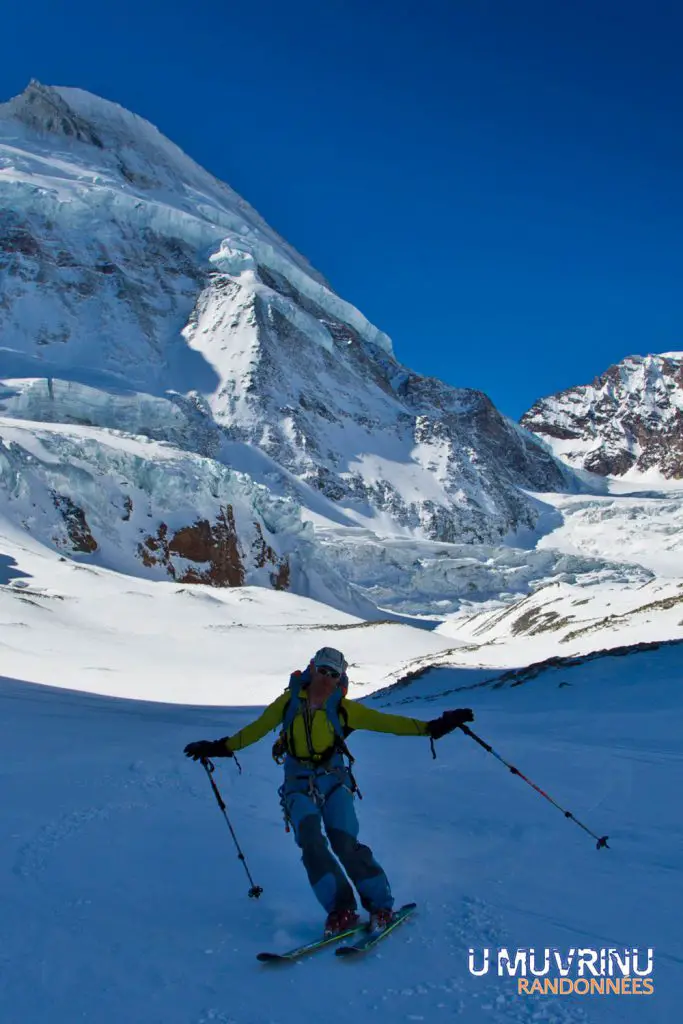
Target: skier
<point>316,717</point>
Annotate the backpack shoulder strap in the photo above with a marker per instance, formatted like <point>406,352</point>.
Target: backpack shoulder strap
<point>344,718</point>
<point>336,714</point>
<point>296,681</point>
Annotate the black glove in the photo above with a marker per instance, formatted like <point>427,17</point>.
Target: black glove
<point>208,748</point>
<point>448,721</point>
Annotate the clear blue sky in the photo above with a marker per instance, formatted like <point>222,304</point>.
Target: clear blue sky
<point>497,184</point>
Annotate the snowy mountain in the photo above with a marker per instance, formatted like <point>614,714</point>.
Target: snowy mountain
<point>140,294</point>
<point>183,397</point>
<point>210,466</point>
<point>630,419</point>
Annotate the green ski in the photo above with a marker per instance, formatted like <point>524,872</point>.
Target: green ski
<point>309,947</point>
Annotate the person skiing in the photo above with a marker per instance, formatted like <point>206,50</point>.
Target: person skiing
<point>316,717</point>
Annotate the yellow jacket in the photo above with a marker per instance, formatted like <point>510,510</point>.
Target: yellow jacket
<point>322,733</point>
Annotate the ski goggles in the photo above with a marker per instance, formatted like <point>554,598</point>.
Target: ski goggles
<point>324,670</point>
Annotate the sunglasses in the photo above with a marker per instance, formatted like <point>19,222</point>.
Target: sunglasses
<point>325,671</point>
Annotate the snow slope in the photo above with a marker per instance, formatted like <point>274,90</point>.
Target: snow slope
<point>113,634</point>
<point>123,899</point>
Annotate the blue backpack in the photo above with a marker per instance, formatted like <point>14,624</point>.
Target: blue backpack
<point>332,708</point>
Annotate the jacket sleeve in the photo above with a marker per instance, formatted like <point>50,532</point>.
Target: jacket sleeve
<point>362,717</point>
<point>256,730</point>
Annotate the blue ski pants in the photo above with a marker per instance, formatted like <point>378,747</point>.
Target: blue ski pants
<point>314,797</point>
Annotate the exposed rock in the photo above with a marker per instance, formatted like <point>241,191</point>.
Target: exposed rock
<point>42,108</point>
<point>265,555</point>
<point>215,549</point>
<point>281,579</point>
<point>76,524</point>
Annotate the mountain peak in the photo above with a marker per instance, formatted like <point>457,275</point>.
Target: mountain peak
<point>143,161</point>
<point>630,418</point>
<point>43,108</point>
<point>75,114</point>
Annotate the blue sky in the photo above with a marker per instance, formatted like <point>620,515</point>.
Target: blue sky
<point>494,183</point>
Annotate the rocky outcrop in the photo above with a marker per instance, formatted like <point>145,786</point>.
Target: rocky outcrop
<point>214,551</point>
<point>43,109</point>
<point>629,418</point>
<point>77,528</point>
<point>264,555</point>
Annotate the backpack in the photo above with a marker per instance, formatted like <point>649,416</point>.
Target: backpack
<point>333,709</point>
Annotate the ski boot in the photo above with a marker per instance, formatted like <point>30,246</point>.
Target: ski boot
<point>339,921</point>
<point>379,919</point>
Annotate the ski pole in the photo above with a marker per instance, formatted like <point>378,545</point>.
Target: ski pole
<point>602,840</point>
<point>255,890</point>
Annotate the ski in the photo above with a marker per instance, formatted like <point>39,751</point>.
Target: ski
<point>310,947</point>
<point>370,939</point>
